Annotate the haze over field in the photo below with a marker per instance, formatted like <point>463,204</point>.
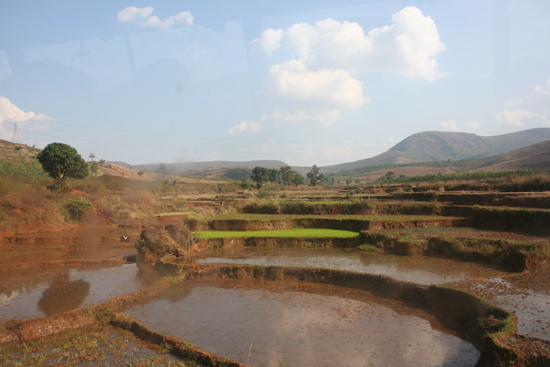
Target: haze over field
<point>299,82</point>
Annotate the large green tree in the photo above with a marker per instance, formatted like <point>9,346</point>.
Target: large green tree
<point>61,161</point>
<point>314,175</point>
<point>286,174</point>
<point>260,175</point>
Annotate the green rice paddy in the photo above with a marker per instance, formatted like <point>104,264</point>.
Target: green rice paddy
<point>280,233</point>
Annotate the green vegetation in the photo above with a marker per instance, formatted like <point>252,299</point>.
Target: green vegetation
<point>369,248</point>
<point>61,161</point>
<point>280,233</point>
<point>237,174</point>
<point>315,176</point>
<point>23,171</point>
<point>77,208</point>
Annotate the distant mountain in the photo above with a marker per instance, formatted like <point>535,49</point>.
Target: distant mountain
<point>433,146</point>
<point>536,156</point>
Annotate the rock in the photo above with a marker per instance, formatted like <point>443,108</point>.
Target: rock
<point>155,243</point>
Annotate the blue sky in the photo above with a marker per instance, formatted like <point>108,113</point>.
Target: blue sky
<point>304,82</point>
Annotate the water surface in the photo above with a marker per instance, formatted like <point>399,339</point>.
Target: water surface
<point>416,269</point>
<point>37,293</point>
<point>300,324</point>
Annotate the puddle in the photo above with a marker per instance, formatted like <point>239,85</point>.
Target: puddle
<point>44,292</point>
<point>416,269</point>
<point>264,323</point>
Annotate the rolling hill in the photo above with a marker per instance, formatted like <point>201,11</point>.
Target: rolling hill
<point>536,156</point>
<point>431,146</point>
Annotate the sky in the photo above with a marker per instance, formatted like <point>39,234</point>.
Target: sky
<point>304,82</point>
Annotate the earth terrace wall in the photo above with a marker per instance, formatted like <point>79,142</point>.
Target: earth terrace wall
<point>293,242</point>
<point>355,225</point>
<point>532,221</point>
<point>511,257</point>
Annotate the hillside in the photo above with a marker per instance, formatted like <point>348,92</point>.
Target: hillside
<point>536,156</point>
<point>9,150</point>
<point>431,146</point>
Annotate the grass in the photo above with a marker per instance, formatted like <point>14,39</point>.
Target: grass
<point>280,233</point>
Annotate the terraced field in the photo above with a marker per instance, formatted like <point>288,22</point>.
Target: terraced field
<point>378,278</point>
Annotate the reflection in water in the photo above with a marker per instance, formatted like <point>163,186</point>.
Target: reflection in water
<point>63,295</point>
<point>46,291</point>
<point>302,324</point>
<point>416,269</point>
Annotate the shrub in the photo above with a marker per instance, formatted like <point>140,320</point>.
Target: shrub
<point>77,208</point>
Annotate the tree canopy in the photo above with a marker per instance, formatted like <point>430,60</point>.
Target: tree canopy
<point>62,161</point>
<point>314,175</point>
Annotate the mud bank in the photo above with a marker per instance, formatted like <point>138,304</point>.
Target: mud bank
<point>533,221</point>
<point>177,345</point>
<point>513,199</point>
<point>264,242</point>
<point>355,225</point>
<point>508,256</point>
<point>67,240</point>
<point>341,208</point>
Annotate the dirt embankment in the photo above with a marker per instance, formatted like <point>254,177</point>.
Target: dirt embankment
<point>514,256</point>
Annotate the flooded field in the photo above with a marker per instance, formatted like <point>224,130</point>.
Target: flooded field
<point>45,292</point>
<point>526,295</point>
<point>67,245</point>
<point>264,323</point>
<point>416,269</point>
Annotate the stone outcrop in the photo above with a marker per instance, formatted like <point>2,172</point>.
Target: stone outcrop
<point>155,243</point>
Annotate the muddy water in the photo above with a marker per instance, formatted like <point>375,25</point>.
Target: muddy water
<point>416,269</point>
<point>531,306</point>
<point>36,293</point>
<point>262,322</point>
<point>89,243</point>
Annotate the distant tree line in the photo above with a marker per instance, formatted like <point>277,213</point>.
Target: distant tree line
<point>284,176</point>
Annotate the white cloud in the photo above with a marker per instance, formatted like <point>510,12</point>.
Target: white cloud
<point>244,126</point>
<point>543,90</point>
<point>270,40</point>
<point>408,46</point>
<point>528,112</point>
<point>319,81</point>
<point>144,17</point>
<point>449,125</point>
<point>517,117</point>
<point>473,125</point>
<point>293,81</point>
<point>10,114</point>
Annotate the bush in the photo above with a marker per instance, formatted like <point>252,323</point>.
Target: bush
<point>77,208</point>
<point>23,171</point>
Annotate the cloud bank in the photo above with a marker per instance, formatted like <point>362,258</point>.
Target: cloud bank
<point>144,17</point>
<point>529,112</point>
<point>319,81</point>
